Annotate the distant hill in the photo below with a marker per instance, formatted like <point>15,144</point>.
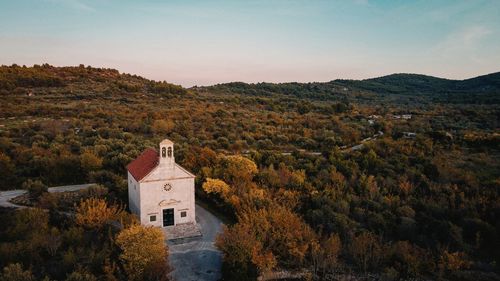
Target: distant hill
<point>422,84</point>
<point>45,75</point>
<point>396,87</point>
<point>484,83</point>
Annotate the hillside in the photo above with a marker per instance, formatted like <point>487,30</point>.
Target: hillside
<point>380,178</point>
<point>396,87</point>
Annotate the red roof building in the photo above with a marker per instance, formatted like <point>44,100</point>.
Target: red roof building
<point>161,192</point>
<point>144,164</point>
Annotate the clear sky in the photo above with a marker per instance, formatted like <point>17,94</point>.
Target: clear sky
<point>205,42</point>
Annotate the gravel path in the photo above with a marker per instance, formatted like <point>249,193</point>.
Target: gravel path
<point>198,259</point>
<point>70,188</point>
<point>6,196</point>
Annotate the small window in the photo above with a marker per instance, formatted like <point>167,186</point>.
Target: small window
<point>164,152</point>
<point>152,218</point>
<point>183,214</point>
<point>169,151</point>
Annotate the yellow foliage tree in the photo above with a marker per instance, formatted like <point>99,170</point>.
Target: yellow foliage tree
<point>338,179</point>
<point>216,186</point>
<point>280,231</point>
<point>144,252</point>
<point>94,213</point>
<point>239,169</point>
<point>453,261</point>
<point>163,126</point>
<point>90,161</point>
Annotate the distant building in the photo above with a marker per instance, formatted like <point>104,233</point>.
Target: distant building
<point>161,192</point>
<point>406,116</point>
<point>409,135</point>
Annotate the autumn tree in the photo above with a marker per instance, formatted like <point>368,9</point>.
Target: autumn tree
<point>324,255</point>
<point>452,261</point>
<point>238,169</point>
<point>368,186</point>
<point>281,231</point>
<point>409,260</point>
<point>144,252</point>
<point>94,213</point>
<point>90,161</point>
<point>338,179</point>
<point>163,126</point>
<point>244,256</point>
<point>15,272</point>
<point>219,187</point>
<point>332,247</point>
<point>366,251</point>
<point>216,186</point>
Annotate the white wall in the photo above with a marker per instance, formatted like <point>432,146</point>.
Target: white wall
<point>133,195</point>
<point>153,194</point>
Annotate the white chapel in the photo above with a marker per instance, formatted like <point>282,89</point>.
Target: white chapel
<point>160,192</point>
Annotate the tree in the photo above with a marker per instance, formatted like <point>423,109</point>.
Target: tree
<point>29,221</point>
<point>94,213</point>
<point>90,161</point>
<point>368,186</point>
<point>324,255</point>
<point>244,256</point>
<point>281,231</point>
<point>15,272</point>
<point>81,276</point>
<point>332,247</point>
<point>35,188</point>
<point>144,252</point>
<point>7,170</point>
<point>216,186</point>
<point>163,126</point>
<point>238,169</point>
<point>452,261</point>
<point>366,251</point>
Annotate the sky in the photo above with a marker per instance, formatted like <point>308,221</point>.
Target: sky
<point>207,42</point>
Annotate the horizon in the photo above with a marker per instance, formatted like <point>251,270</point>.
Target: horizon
<point>256,82</point>
<point>206,43</point>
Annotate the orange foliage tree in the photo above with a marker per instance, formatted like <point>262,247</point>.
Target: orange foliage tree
<point>94,213</point>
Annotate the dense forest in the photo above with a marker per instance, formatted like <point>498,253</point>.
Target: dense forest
<point>389,178</point>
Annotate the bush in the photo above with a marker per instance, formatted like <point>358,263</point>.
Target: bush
<point>15,272</point>
<point>35,188</point>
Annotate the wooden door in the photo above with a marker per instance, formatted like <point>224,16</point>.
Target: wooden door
<point>168,217</point>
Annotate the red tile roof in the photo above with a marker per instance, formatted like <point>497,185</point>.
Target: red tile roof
<point>143,164</point>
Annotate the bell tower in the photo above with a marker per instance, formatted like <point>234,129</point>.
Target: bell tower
<point>167,158</point>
